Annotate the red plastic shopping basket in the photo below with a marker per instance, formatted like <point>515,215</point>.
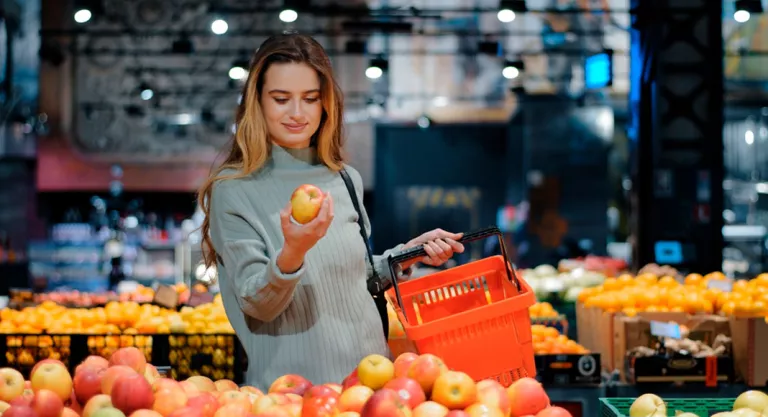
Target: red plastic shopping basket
<point>473,316</point>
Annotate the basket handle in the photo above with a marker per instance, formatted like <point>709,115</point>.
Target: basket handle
<point>418,252</point>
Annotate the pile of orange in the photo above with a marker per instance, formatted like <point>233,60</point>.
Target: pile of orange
<point>126,317</point>
<point>649,293</point>
<point>549,341</point>
<point>543,310</point>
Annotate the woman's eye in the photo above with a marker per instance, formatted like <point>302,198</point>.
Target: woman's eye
<point>281,100</point>
<point>312,100</point>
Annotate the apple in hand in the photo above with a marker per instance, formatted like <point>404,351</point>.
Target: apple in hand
<point>11,384</point>
<point>306,201</point>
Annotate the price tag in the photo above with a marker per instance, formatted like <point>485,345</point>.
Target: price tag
<point>664,329</point>
<point>725,285</point>
<point>166,296</point>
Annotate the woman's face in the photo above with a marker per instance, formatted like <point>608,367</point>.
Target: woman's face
<point>290,100</point>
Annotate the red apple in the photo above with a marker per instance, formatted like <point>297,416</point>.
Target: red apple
<point>24,399</point>
<point>187,412</point>
<point>231,410</point>
<point>203,384</point>
<point>385,403</point>
<point>87,383</point>
<point>320,391</point>
<point>554,412</point>
<point>55,377</point>
<point>47,403</point>
<point>425,369</point>
<point>131,393</point>
<point>351,380</point>
<point>109,377</point>
<point>354,398</point>
<point>430,409</point>
<point>306,201</point>
<point>165,383</point>
<point>457,413</point>
<point>403,362</point>
<point>145,413</point>
<point>294,398</point>
<point>336,387</point>
<point>191,389</point>
<point>3,406</point>
<point>484,410</point>
<point>374,371</point>
<point>11,384</point>
<point>130,357</point>
<point>68,412</point>
<point>225,385</point>
<point>409,391</point>
<point>527,396</point>
<point>295,384</point>
<point>97,402</point>
<point>265,402</point>
<point>455,390</point>
<point>320,407</point>
<point>19,411</point>
<point>235,397</point>
<point>94,362</point>
<point>204,402</point>
<point>494,394</point>
<point>251,390</point>
<point>168,400</point>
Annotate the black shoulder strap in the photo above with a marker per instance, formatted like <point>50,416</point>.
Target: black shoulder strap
<point>353,194</point>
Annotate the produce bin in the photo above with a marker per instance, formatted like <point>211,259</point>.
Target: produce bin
<point>217,356</point>
<point>702,407</point>
<point>474,316</point>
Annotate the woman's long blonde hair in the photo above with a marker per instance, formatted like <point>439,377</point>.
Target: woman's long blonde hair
<point>251,145</point>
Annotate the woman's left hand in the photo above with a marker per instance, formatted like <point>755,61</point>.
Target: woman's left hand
<point>439,245</point>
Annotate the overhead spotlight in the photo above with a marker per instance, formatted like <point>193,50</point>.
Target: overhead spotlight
<point>424,121</point>
<point>239,69</point>
<point>746,8</point>
<point>219,27</point>
<point>83,16</point>
<point>288,16</point>
<point>376,68</point>
<point>145,92</point>
<point>512,69</point>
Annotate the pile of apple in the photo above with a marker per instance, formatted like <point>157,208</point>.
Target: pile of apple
<point>420,386</point>
<point>748,404</point>
<point>126,385</point>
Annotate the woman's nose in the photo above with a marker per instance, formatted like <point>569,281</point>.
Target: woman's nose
<point>295,109</point>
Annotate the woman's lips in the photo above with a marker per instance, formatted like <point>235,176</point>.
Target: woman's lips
<point>295,128</point>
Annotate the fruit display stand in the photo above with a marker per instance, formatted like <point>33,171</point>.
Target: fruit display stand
<point>613,319</point>
<point>192,341</point>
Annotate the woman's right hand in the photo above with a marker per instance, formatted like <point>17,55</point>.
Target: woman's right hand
<point>300,238</point>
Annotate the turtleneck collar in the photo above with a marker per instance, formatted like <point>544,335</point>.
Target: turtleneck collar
<point>294,158</point>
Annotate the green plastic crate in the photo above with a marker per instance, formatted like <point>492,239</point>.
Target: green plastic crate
<point>702,407</point>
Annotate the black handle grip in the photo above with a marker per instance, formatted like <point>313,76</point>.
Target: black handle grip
<point>418,252</point>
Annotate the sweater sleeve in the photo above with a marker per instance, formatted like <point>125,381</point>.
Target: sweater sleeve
<point>262,290</point>
<point>380,261</point>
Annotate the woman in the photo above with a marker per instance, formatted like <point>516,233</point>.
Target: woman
<point>295,294</point>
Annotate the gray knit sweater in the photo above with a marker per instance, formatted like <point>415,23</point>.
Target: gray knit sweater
<point>318,322</point>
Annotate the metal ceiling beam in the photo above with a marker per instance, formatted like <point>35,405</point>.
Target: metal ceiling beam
<point>313,32</point>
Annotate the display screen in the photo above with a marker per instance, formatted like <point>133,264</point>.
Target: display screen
<point>598,70</point>
<point>668,252</point>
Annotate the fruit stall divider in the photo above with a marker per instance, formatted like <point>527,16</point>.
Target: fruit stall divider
<point>76,347</point>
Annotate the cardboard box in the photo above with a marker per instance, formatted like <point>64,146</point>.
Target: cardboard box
<point>632,332</point>
<point>750,338</point>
